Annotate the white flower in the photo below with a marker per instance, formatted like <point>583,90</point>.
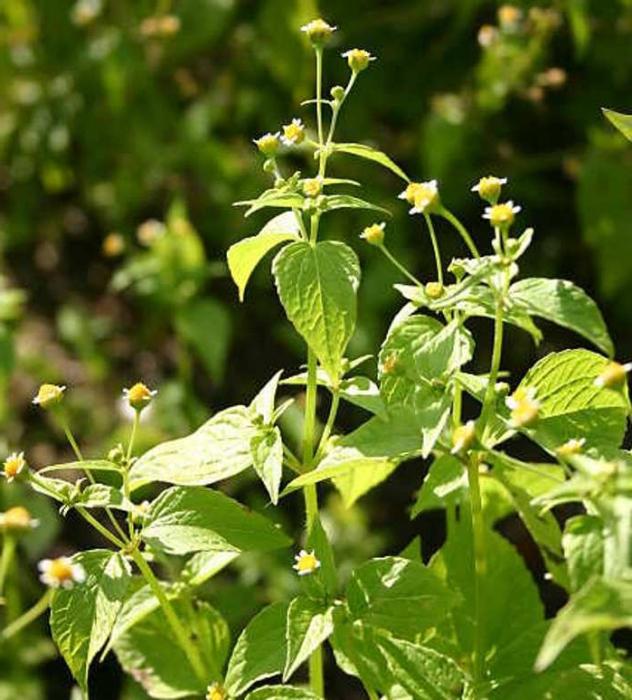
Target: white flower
<point>306,562</point>
<point>13,466</point>
<point>61,572</point>
<point>422,195</point>
<point>293,133</point>
<point>501,215</point>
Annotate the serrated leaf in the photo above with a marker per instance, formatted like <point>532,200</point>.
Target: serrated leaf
<point>368,153</point>
<point>309,624</point>
<point>204,565</point>
<point>264,402</point>
<point>260,651</point>
<point>317,285</point>
<point>623,122</point>
<point>398,595</point>
<point>82,617</point>
<point>601,605</point>
<point>244,256</point>
<point>583,543</point>
<point>282,692</point>
<point>193,519</point>
<point>362,392</point>
<point>563,303</point>
<point>444,484</point>
<point>267,459</point>
<point>571,406</point>
<point>218,449</point>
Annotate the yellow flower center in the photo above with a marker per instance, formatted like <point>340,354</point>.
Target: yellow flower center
<point>374,234</point>
<point>463,437</point>
<point>215,692</point>
<point>489,188</point>
<point>501,215</point>
<point>358,59</point>
<point>13,466</point>
<point>113,245</point>
<point>139,395</point>
<point>434,289</point>
<point>49,395</point>
<point>60,570</point>
<point>570,448</point>
<point>17,518</point>
<point>318,31</point>
<point>312,187</point>
<point>413,190</point>
<point>294,132</point>
<point>307,563</point>
<point>524,407</point>
<point>268,144</point>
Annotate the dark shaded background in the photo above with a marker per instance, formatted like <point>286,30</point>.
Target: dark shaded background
<point>111,116</point>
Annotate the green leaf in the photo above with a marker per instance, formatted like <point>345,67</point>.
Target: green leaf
<point>583,543</point>
<point>398,595</point>
<point>82,617</point>
<point>194,519</point>
<point>362,392</point>
<point>444,484</point>
<point>149,652</point>
<point>347,201</point>
<point>204,565</point>
<point>601,605</point>
<point>317,285</point>
<point>260,651</point>
<point>563,303</point>
<point>308,626</point>
<point>273,198</point>
<point>368,153</point>
<point>571,406</point>
<point>623,122</point>
<point>264,402</point>
<point>282,692</point>
<point>323,583</point>
<point>218,449</point>
<point>206,325</point>
<point>245,255</point>
<point>267,458</point>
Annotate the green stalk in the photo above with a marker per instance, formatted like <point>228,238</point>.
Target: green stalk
<point>392,259</point>
<point>121,544</point>
<point>28,617</point>
<point>309,491</point>
<point>329,425</point>
<point>319,91</point>
<point>191,651</point>
<point>128,458</point>
<point>435,248</point>
<point>8,552</point>
<point>467,239</point>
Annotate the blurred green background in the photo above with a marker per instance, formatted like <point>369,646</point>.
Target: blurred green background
<point>125,136</point>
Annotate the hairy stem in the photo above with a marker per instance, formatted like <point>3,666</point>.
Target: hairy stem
<point>102,529</point>
<point>391,258</point>
<point>319,91</point>
<point>309,491</point>
<point>8,552</point>
<point>467,239</point>
<point>182,636</point>
<point>435,248</point>
<point>331,419</point>
<point>28,617</point>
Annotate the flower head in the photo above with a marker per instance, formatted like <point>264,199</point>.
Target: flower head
<point>424,196</point>
<point>61,572</point>
<point>49,395</point>
<point>509,16</point>
<point>487,35</point>
<point>312,187</point>
<point>139,396</point>
<point>306,563</point>
<point>150,231</point>
<point>501,215</point>
<point>571,447</point>
<point>215,691</point>
<point>463,437</point>
<point>612,375</point>
<point>113,245</point>
<point>489,188</point>
<point>293,133</point>
<point>358,59</point>
<point>318,31</point>
<point>374,234</point>
<point>17,519</point>
<point>268,144</point>
<point>434,290</point>
<point>14,466</point>
<point>524,406</point>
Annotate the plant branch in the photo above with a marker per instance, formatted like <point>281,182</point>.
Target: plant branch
<point>28,617</point>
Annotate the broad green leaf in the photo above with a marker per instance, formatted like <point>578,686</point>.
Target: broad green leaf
<point>82,617</point>
<point>398,595</point>
<point>317,285</point>
<point>601,605</point>
<point>563,303</point>
<point>571,406</point>
<point>275,199</point>
<point>264,402</point>
<point>260,651</point>
<point>149,652</point>
<point>623,122</point>
<point>323,583</point>
<point>347,201</point>
<point>267,459</point>
<point>361,391</point>
<point>309,624</point>
<point>218,449</point>
<point>246,254</point>
<point>368,153</point>
<point>282,692</point>
<point>194,519</point>
<point>583,543</point>
<point>444,484</point>
<point>204,565</point>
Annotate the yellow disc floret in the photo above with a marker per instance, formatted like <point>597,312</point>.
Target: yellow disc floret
<point>268,144</point>
<point>216,692</point>
<point>305,563</point>
<point>374,234</point>
<point>17,519</point>
<point>571,447</point>
<point>424,196</point>
<point>293,133</point>
<point>318,31</point>
<point>463,437</point>
<point>613,375</point>
<point>358,59</point>
<point>139,396</point>
<point>49,395</point>
<point>524,407</point>
<point>501,215</point>
<point>61,572</point>
<point>489,187</point>
<point>14,465</point>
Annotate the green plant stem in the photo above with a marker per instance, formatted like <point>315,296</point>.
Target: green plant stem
<point>391,258</point>
<point>121,544</point>
<point>28,617</point>
<point>435,248</point>
<point>8,552</point>
<point>132,437</point>
<point>191,651</point>
<point>319,91</point>
<point>480,567</point>
<point>309,491</point>
<point>329,425</point>
<point>467,239</point>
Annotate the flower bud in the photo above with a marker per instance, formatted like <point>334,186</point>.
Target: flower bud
<point>269,166</point>
<point>318,32</point>
<point>374,234</point>
<point>424,196</point>
<point>463,437</point>
<point>49,395</point>
<point>337,92</point>
<point>613,375</point>
<point>117,454</point>
<point>358,59</point>
<point>268,144</point>
<point>113,245</point>
<point>139,396</point>
<point>312,187</point>
<point>434,290</point>
<point>488,188</point>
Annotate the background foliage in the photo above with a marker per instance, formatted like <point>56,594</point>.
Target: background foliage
<point>124,139</point>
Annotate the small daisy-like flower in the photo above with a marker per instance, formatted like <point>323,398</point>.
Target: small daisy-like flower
<point>215,691</point>
<point>487,35</point>
<point>374,234</point>
<point>463,437</point>
<point>14,466</point>
<point>489,187</point>
<point>313,186</point>
<point>424,196</point>
<point>306,563</point>
<point>113,245</point>
<point>571,447</point>
<point>150,231</point>
<point>49,395</point>
<point>434,290</point>
<point>139,396</point>
<point>612,375</point>
<point>501,215</point>
<point>17,519</point>
<point>61,572</point>
<point>524,406</point>
<point>268,144</point>
<point>318,31</point>
<point>358,59</point>
<point>509,16</point>
<point>293,133</point>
